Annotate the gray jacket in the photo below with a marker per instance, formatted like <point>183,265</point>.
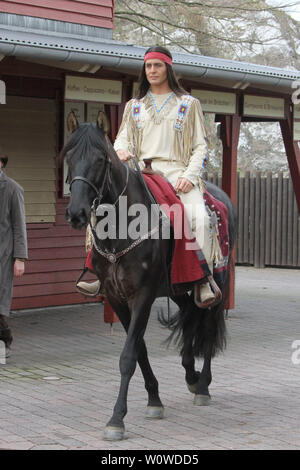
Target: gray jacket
<point>13,239</point>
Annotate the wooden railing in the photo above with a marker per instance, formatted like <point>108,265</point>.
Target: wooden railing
<point>268,220</point>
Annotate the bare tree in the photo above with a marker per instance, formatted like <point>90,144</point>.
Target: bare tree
<point>248,30</point>
<point>199,27</point>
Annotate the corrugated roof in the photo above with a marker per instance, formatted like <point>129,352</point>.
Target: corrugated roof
<point>126,57</point>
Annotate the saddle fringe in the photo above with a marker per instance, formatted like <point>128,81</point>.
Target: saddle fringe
<point>216,253</point>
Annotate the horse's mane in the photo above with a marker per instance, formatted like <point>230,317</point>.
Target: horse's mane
<point>87,138</point>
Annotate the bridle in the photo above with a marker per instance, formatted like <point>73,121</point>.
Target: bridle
<point>100,192</point>
<point>81,178</point>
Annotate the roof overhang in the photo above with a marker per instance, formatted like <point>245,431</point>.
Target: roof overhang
<point>83,54</point>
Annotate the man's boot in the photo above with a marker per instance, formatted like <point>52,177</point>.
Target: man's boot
<point>207,294</point>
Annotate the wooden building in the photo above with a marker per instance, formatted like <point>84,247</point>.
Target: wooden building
<point>60,55</point>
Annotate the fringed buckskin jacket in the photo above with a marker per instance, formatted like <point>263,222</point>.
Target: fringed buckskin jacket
<point>165,127</point>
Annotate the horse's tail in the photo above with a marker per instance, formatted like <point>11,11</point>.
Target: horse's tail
<point>203,329</point>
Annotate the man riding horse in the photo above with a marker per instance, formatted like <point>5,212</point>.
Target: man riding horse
<point>164,126</point>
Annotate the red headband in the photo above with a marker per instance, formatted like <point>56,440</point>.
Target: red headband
<point>158,55</point>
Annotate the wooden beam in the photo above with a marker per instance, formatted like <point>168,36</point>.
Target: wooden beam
<point>230,131</point>
<point>292,152</point>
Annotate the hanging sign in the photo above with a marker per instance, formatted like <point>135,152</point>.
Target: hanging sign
<point>93,89</point>
<point>216,101</point>
<point>263,106</point>
<point>296,122</point>
<point>297,111</point>
<point>93,111</point>
<point>296,130</point>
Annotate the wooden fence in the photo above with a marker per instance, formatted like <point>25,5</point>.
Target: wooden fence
<point>268,220</point>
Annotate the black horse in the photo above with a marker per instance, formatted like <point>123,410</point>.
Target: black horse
<point>132,281</point>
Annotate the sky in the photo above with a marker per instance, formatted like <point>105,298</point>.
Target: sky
<point>294,11</point>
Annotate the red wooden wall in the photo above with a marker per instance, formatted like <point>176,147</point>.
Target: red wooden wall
<point>56,256</point>
<point>87,12</point>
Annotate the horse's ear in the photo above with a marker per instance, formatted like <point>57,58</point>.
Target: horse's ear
<point>72,122</point>
<point>103,122</point>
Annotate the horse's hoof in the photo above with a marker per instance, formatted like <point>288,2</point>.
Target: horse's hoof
<point>192,388</point>
<point>202,400</point>
<point>155,412</point>
<point>113,433</point>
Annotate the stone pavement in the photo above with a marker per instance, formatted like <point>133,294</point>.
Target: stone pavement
<point>58,389</point>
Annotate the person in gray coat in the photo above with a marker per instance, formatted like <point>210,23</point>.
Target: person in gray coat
<point>13,245</point>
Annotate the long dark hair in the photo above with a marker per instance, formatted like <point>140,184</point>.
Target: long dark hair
<point>144,85</point>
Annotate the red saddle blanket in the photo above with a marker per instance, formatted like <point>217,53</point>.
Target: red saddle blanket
<point>188,266</point>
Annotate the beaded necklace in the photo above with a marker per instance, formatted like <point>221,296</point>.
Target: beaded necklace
<point>157,118</point>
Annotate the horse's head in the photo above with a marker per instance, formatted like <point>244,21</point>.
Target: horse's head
<point>87,159</point>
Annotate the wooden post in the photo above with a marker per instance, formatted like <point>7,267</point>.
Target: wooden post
<point>292,151</point>
<point>257,221</point>
<point>230,131</point>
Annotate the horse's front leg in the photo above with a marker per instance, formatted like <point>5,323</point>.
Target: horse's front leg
<point>155,407</point>
<point>134,343</point>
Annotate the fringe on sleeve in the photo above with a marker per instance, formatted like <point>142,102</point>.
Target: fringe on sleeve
<point>133,128</point>
<point>127,111</point>
<point>183,142</point>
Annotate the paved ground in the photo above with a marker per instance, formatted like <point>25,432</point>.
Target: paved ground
<point>58,389</point>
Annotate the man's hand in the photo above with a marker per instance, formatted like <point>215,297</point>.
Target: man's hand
<point>183,185</point>
<point>19,268</point>
<point>124,155</point>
